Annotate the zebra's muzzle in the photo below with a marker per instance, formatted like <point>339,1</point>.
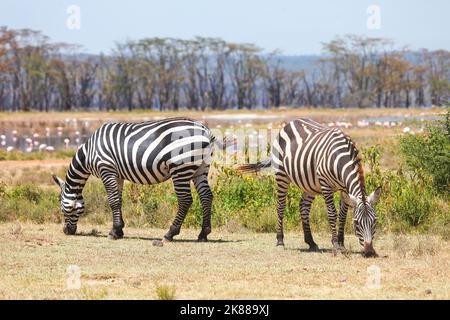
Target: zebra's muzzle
<point>369,251</point>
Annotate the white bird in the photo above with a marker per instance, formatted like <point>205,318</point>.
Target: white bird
<point>42,146</point>
<point>50,149</point>
<point>406,129</point>
<point>28,140</point>
<point>29,149</point>
<point>3,137</point>
<point>66,142</point>
<point>3,142</point>
<point>362,123</point>
<point>14,132</point>
<point>9,148</point>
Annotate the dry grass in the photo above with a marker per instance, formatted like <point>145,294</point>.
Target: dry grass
<point>36,172</point>
<point>34,260</point>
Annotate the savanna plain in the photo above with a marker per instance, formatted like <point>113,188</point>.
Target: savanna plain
<point>240,260</point>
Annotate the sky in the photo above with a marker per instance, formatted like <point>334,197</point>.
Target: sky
<point>295,27</point>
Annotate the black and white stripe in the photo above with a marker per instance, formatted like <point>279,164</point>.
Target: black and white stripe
<point>145,153</point>
<point>321,160</point>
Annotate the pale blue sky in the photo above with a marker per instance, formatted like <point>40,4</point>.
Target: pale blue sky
<point>293,26</point>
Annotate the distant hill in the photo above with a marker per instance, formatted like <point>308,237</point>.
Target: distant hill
<point>300,62</point>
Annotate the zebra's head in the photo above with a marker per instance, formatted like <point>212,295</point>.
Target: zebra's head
<point>72,205</point>
<point>364,220</point>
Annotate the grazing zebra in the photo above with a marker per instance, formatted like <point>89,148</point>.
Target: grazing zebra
<point>145,153</point>
<point>321,160</point>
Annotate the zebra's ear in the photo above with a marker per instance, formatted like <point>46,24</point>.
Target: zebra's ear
<point>59,182</point>
<point>374,196</point>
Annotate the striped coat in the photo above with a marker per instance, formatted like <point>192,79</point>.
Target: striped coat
<point>321,161</point>
<point>146,153</point>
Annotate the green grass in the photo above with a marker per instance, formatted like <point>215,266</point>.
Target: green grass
<point>165,292</point>
<point>40,155</point>
<point>240,202</point>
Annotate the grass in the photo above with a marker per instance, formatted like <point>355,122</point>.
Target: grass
<point>241,202</point>
<point>164,292</point>
<point>242,265</point>
<point>41,155</point>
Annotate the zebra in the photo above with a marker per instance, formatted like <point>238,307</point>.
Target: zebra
<point>321,160</point>
<point>148,152</point>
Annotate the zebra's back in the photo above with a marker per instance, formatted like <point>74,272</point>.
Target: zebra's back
<point>298,150</point>
<point>150,152</point>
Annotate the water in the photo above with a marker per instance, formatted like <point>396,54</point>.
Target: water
<point>402,118</point>
<point>51,133</point>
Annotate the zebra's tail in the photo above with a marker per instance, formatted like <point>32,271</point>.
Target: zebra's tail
<point>254,167</point>
<point>222,145</point>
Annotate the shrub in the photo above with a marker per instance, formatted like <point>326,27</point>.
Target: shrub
<point>428,154</point>
<point>164,292</point>
<point>405,203</point>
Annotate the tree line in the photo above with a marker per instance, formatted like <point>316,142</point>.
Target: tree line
<point>209,73</point>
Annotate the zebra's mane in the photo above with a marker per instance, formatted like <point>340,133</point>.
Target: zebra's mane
<point>357,161</point>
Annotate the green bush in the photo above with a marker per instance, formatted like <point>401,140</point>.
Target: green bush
<point>428,154</point>
<point>248,201</point>
<point>29,203</point>
<point>406,203</point>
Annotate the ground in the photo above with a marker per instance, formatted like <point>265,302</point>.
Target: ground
<point>34,261</point>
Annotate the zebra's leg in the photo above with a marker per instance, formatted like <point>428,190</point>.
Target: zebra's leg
<point>114,186</point>
<point>282,188</point>
<point>206,196</point>
<point>343,209</point>
<point>183,191</point>
<point>332,215</point>
<point>305,209</point>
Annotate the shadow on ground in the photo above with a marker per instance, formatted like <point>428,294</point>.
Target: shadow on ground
<point>100,235</point>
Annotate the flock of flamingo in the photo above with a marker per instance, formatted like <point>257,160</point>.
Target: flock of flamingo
<point>35,141</point>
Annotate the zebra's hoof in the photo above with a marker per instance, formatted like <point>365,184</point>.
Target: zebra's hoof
<point>314,248</point>
<point>280,244</point>
<point>115,234</point>
<point>202,239</point>
<point>158,243</point>
<point>167,238</point>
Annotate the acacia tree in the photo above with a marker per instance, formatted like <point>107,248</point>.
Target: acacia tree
<point>202,73</point>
